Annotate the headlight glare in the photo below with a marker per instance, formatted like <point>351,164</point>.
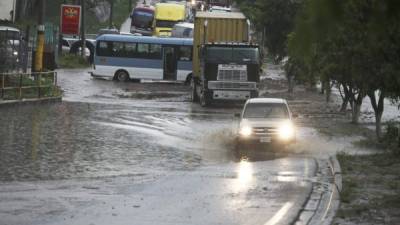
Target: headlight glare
<point>245,131</point>
<point>286,131</point>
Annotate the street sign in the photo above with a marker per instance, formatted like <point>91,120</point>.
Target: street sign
<point>70,19</point>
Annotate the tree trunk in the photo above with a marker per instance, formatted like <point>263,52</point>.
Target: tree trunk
<point>356,108</point>
<point>355,113</point>
<point>290,84</point>
<point>328,90</point>
<point>378,109</point>
<point>345,102</point>
<point>345,97</point>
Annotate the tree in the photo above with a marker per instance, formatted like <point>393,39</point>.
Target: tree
<point>276,18</point>
<point>357,44</point>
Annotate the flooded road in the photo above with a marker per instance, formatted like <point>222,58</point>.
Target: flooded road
<point>108,135</point>
<point>139,153</point>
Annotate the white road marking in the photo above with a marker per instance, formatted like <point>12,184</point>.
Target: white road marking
<point>279,215</point>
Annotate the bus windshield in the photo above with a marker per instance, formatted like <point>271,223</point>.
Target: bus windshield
<point>142,19</point>
<point>232,54</point>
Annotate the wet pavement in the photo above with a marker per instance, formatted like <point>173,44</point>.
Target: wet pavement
<point>139,153</point>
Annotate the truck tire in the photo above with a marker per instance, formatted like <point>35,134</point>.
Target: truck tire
<point>193,94</point>
<point>204,100</point>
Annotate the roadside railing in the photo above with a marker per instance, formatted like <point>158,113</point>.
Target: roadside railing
<point>18,86</point>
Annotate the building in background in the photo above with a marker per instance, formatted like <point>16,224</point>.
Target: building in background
<point>7,9</point>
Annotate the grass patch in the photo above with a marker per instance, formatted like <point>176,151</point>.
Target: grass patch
<point>30,86</point>
<point>345,128</point>
<point>371,183</point>
<point>71,61</point>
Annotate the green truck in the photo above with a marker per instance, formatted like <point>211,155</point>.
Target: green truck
<point>226,64</point>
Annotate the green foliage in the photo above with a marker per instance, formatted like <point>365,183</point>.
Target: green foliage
<point>353,43</point>
<point>73,61</point>
<point>275,18</point>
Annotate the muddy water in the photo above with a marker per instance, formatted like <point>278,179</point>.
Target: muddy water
<point>63,140</point>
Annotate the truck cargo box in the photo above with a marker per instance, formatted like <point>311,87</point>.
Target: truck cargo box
<point>217,27</point>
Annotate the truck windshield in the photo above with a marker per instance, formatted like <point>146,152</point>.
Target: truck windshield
<point>165,23</point>
<point>228,54</point>
<point>265,110</point>
<point>142,19</point>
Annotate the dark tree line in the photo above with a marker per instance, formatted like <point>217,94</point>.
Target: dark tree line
<point>352,44</point>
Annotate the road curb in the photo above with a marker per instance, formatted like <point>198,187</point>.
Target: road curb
<point>30,101</point>
<point>324,200</point>
<point>337,172</point>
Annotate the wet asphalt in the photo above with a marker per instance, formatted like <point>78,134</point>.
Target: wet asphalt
<point>111,152</point>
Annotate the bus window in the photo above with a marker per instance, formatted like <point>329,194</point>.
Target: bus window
<point>155,51</point>
<point>130,49</point>
<point>142,50</point>
<point>185,53</point>
<point>118,49</point>
<point>103,48</point>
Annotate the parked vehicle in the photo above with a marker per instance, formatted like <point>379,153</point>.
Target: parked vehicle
<point>142,19</point>
<point>166,16</point>
<point>10,48</point>
<point>124,57</point>
<point>266,121</point>
<point>226,66</point>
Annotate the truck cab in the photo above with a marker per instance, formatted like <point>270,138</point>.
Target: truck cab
<point>229,72</point>
<point>166,16</point>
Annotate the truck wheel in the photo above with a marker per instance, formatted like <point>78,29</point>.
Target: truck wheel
<point>122,76</point>
<point>204,101</point>
<point>193,94</point>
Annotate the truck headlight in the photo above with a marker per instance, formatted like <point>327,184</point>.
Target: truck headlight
<point>286,131</point>
<point>245,131</point>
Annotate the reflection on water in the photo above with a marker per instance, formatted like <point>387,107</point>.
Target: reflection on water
<point>63,140</point>
<point>244,177</point>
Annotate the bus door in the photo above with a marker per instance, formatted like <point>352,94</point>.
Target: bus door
<point>170,58</point>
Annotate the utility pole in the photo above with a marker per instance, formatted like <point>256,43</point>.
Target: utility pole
<point>83,28</point>
<point>111,14</point>
<point>40,38</point>
<point>130,6</point>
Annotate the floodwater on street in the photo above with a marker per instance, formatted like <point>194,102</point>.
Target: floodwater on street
<point>112,151</point>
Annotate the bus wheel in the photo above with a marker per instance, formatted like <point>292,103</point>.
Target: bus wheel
<point>193,94</point>
<point>122,75</point>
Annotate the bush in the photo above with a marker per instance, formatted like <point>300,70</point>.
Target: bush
<point>73,61</point>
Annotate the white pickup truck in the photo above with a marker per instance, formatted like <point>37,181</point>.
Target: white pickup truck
<point>266,121</point>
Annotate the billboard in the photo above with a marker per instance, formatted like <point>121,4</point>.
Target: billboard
<point>70,19</point>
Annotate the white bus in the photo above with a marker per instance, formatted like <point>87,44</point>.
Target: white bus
<point>124,57</point>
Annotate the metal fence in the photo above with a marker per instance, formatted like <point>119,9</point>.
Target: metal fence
<point>18,86</point>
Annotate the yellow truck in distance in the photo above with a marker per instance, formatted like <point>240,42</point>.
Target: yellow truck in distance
<point>226,65</point>
<point>166,16</point>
